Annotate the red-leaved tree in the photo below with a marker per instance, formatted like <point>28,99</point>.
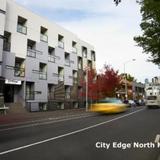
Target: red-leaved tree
<point>108,82</point>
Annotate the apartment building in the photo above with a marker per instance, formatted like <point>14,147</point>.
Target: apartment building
<point>41,63</point>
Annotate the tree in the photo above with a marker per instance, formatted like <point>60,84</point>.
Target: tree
<point>108,82</point>
<point>150,25</point>
<point>128,77</point>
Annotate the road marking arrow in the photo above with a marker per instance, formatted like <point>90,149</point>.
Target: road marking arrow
<point>157,139</point>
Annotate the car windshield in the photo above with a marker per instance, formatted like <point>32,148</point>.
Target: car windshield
<point>151,98</point>
<point>110,100</point>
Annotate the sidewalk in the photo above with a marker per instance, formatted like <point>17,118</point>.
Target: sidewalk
<point>20,118</point>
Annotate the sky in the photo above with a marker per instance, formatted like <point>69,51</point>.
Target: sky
<point>109,28</point>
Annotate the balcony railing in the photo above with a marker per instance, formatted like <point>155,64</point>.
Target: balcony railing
<point>51,58</point>
<point>19,72</point>
<point>43,75</point>
<point>21,29</point>
<point>44,38</point>
<point>51,95</point>
<point>6,46</point>
<point>31,53</point>
<point>60,78</point>
<point>74,50</point>
<point>60,44</point>
<point>30,95</point>
<point>67,62</point>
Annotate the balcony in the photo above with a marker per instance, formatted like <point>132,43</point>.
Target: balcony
<point>31,53</point>
<point>67,62</point>
<point>74,50</point>
<point>6,46</point>
<point>60,44</point>
<point>44,38</point>
<point>43,75</point>
<point>51,58</point>
<point>60,78</point>
<point>30,95</point>
<point>21,29</point>
<point>19,72</point>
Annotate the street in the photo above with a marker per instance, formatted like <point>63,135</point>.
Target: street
<point>125,136</point>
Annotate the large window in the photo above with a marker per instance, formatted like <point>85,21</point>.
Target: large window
<point>43,34</point>
<point>42,71</point>
<point>74,47</point>
<point>60,41</point>
<point>7,41</point>
<point>19,69</point>
<point>51,54</point>
<point>21,25</point>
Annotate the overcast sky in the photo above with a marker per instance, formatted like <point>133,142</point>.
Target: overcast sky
<point>109,28</point>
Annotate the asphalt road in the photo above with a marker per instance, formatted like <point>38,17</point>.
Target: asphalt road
<point>89,137</point>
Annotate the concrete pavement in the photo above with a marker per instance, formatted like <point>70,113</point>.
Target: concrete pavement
<point>27,117</point>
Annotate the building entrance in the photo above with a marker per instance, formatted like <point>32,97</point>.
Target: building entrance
<point>8,93</point>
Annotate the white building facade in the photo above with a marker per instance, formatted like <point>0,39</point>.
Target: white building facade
<point>41,63</point>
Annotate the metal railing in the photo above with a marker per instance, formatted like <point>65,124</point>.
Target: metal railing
<point>19,72</point>
<point>60,44</point>
<point>60,78</point>
<point>21,29</point>
<point>74,50</point>
<point>51,58</point>
<point>31,53</point>
<point>43,75</point>
<point>44,38</point>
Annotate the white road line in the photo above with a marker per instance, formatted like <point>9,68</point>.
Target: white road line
<point>44,123</point>
<point>157,139</point>
<point>68,134</point>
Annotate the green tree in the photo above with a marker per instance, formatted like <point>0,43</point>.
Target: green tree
<point>150,25</point>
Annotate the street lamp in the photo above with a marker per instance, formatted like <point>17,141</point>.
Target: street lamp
<point>125,78</point>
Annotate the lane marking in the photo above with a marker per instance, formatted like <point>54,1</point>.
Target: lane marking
<point>68,134</point>
<point>48,122</point>
<point>157,139</point>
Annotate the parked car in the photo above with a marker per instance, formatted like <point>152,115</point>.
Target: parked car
<point>109,105</point>
<point>131,103</point>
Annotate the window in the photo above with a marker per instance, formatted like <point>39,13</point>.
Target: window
<point>19,69</point>
<point>7,41</point>
<point>60,41</point>
<point>89,64</point>
<point>75,76</point>
<point>43,34</point>
<point>51,90</point>
<point>79,62</point>
<point>31,48</point>
<point>51,54</point>
<point>60,73</point>
<point>93,55</point>
<point>67,92</point>
<point>74,47</point>
<point>21,25</point>
<point>30,93</point>
<point>67,59</point>
<point>42,71</point>
<point>84,52</point>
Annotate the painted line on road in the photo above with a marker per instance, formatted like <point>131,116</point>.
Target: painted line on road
<point>51,120</point>
<point>68,134</point>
